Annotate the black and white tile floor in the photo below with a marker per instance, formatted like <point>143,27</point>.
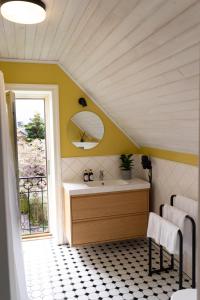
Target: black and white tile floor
<point>107,271</point>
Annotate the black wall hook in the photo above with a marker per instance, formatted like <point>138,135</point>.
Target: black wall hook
<point>82,102</point>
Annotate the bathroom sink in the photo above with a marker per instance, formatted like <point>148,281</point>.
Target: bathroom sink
<point>105,186</point>
<point>107,182</point>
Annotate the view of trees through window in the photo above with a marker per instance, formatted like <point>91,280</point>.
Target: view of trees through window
<point>31,146</point>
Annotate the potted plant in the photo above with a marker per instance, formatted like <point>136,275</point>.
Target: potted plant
<point>82,140</point>
<point>126,165</point>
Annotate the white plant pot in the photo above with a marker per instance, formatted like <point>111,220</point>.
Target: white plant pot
<point>126,174</point>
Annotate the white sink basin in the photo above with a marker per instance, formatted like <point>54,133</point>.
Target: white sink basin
<point>111,182</point>
<point>112,185</point>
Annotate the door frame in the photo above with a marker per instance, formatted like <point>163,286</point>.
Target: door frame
<point>52,98</point>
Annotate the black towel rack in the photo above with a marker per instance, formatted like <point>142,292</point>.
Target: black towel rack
<point>193,224</point>
<point>171,266</point>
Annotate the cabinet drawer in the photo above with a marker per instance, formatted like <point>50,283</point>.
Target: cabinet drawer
<point>109,229</point>
<point>109,204</point>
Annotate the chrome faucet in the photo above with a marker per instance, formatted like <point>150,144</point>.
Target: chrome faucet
<point>101,175</point>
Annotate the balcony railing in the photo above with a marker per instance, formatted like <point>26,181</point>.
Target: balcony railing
<point>33,196</point>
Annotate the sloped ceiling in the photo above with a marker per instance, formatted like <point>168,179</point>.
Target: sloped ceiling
<point>139,60</point>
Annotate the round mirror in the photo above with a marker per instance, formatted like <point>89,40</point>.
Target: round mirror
<point>85,130</point>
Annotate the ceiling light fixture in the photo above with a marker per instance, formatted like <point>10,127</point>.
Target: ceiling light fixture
<point>23,11</point>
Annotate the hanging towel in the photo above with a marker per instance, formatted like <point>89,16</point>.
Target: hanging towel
<point>169,236</point>
<point>188,205</point>
<point>163,232</point>
<point>174,215</point>
<point>154,226</point>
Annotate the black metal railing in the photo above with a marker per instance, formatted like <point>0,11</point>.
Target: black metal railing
<point>33,198</point>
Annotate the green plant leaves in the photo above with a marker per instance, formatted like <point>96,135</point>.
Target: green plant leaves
<point>126,161</point>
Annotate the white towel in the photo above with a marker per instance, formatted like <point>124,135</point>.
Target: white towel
<point>188,205</point>
<point>163,232</point>
<point>169,236</point>
<point>174,215</point>
<point>153,230</point>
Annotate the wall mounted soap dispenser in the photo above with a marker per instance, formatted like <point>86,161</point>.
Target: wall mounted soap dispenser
<point>91,175</point>
<point>85,176</point>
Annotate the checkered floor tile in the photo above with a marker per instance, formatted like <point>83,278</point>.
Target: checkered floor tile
<point>106,271</point>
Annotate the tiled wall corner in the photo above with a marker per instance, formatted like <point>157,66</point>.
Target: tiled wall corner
<point>137,168</point>
<point>173,178</point>
<point>169,177</point>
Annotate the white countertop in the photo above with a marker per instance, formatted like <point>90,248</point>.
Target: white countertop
<point>81,188</point>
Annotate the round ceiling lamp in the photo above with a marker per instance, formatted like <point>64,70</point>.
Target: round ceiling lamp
<point>23,11</point>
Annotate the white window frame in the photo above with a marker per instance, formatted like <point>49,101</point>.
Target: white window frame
<point>56,206</point>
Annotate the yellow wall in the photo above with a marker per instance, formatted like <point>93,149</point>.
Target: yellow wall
<point>114,141</point>
<point>185,158</point>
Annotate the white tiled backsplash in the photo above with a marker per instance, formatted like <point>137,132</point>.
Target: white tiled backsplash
<point>73,168</point>
<point>169,178</point>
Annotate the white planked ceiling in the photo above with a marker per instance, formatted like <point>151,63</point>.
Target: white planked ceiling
<point>139,60</point>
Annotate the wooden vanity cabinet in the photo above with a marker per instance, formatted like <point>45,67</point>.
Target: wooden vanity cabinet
<point>103,217</point>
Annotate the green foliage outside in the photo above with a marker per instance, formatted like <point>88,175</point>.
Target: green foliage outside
<point>38,212</point>
<point>23,203</point>
<point>35,129</point>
